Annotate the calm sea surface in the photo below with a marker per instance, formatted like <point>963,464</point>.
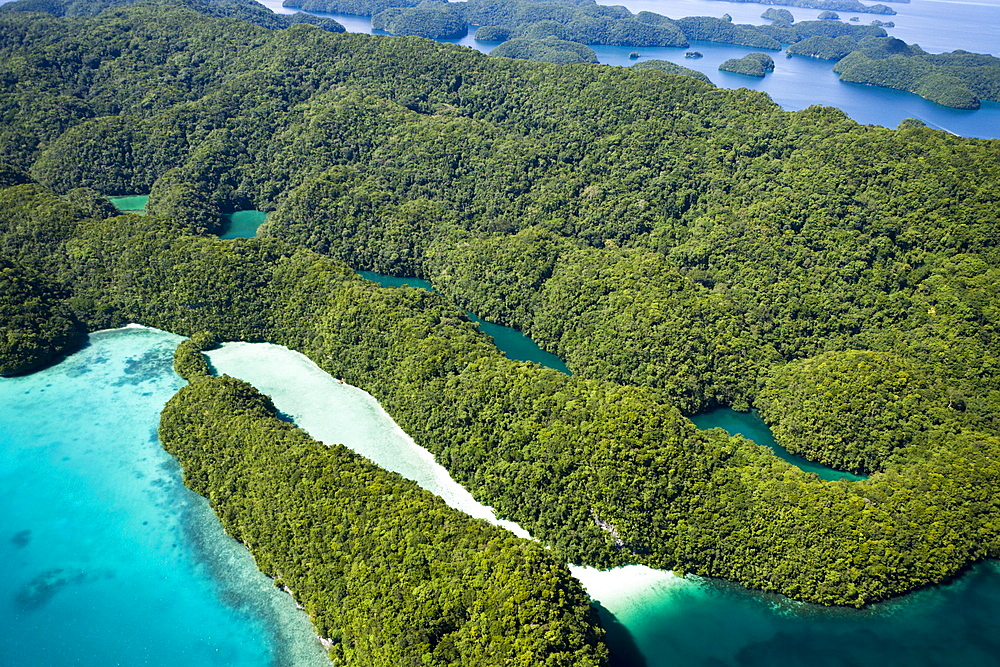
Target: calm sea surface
<point>108,558</point>
<point>799,82</point>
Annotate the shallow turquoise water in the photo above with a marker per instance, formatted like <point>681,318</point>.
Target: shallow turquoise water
<point>699,623</point>
<point>656,619</point>
<point>109,559</point>
<point>514,344</point>
<point>752,427</point>
<point>131,203</point>
<point>242,224</point>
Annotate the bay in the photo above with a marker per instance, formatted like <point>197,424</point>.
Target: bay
<point>752,427</point>
<point>514,344</point>
<point>655,618</point>
<point>799,82</point>
<point>109,559</point>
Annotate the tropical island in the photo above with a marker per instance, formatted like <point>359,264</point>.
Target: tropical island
<point>752,64</point>
<point>958,80</point>
<point>831,5</point>
<point>680,246</point>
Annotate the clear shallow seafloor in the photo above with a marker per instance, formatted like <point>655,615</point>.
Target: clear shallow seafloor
<point>108,559</point>
<point>337,413</point>
<point>655,618</point>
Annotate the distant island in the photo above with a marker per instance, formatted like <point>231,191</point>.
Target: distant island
<point>958,79</point>
<point>752,64</point>
<point>582,21</point>
<point>680,246</point>
<point>834,5</point>
<point>560,32</point>
<point>545,30</point>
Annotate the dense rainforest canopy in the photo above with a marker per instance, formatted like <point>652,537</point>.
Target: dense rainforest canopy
<point>390,574</point>
<point>555,31</point>
<point>680,246</point>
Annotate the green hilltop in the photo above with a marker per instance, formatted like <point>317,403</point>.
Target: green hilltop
<point>679,246</point>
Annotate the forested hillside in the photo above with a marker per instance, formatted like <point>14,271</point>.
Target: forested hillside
<point>679,245</point>
<point>389,573</point>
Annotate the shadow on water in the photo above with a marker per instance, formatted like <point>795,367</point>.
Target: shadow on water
<point>241,224</point>
<point>514,344</point>
<point>624,651</point>
<point>752,427</point>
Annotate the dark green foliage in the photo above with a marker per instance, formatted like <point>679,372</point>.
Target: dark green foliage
<point>546,50</point>
<point>821,46</point>
<point>430,19</point>
<point>35,324</point>
<point>35,223</point>
<point>828,16</point>
<point>12,176</point>
<point>189,362</point>
<point>854,410</point>
<point>773,14</point>
<point>176,196</point>
<point>388,572</point>
<point>752,64</point>
<point>92,203</point>
<point>492,33</point>
<point>792,34</point>
<point>711,29</point>
<point>671,68</point>
<point>244,10</point>
<point>584,22</point>
<point>674,242</point>
<point>958,79</point>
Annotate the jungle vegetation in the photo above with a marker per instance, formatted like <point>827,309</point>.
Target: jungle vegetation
<point>679,245</point>
<point>245,10</point>
<point>752,64</point>
<point>388,572</point>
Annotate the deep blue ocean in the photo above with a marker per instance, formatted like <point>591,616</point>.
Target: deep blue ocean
<point>798,82</point>
<point>110,560</point>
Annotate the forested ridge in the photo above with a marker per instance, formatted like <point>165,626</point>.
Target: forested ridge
<point>557,31</point>
<point>389,573</point>
<point>679,245</point>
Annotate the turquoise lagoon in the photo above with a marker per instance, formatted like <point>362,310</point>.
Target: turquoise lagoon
<point>109,559</point>
<point>655,618</point>
<point>242,224</point>
<point>130,203</point>
<point>752,427</point>
<point>236,225</point>
<point>514,344</point>
<point>112,561</point>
